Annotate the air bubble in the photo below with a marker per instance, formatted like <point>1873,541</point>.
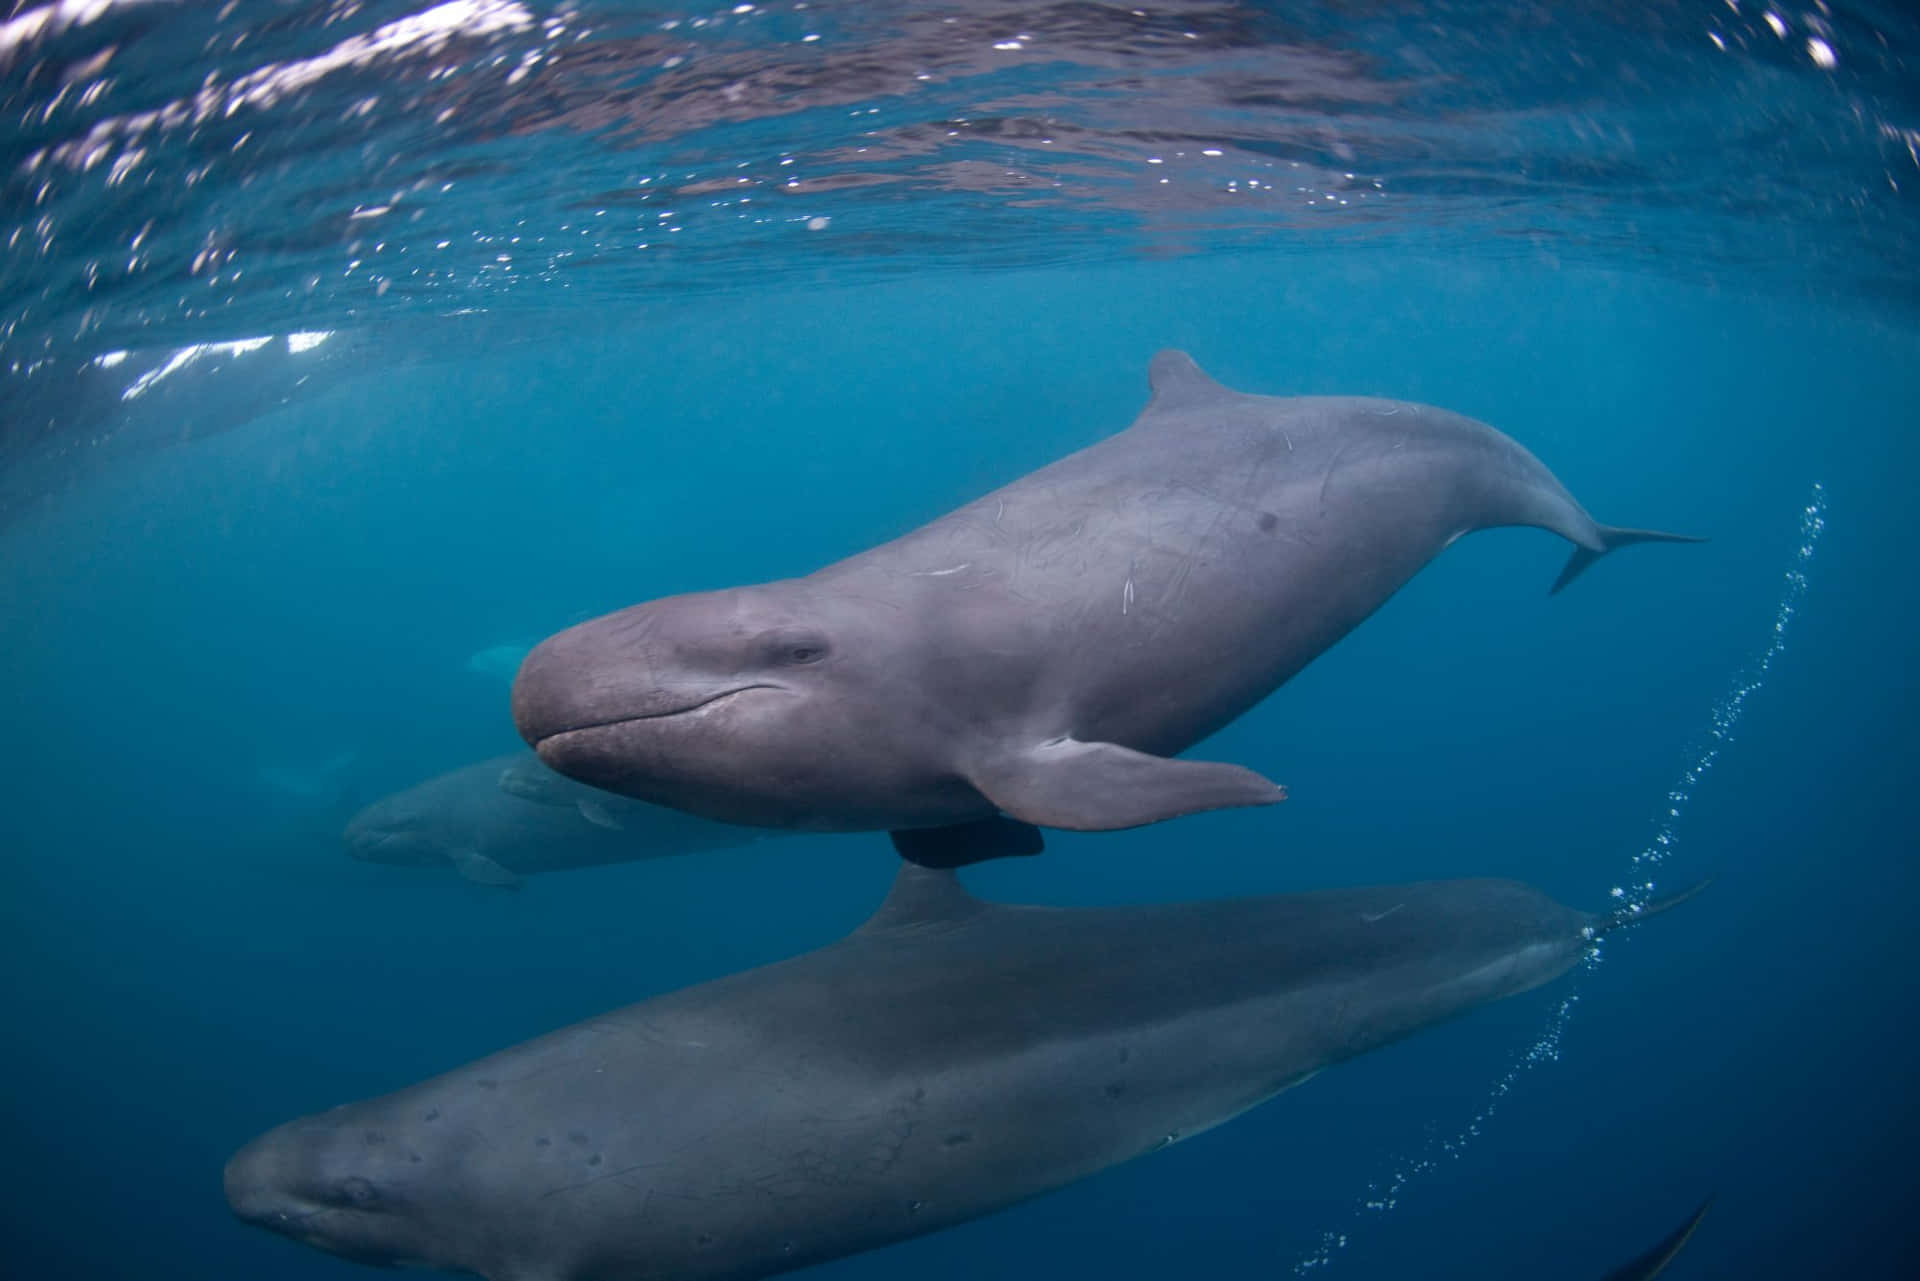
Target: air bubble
<point>1385,1194</point>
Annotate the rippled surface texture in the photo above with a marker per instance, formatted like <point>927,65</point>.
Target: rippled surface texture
<point>207,166</point>
<point>346,350</point>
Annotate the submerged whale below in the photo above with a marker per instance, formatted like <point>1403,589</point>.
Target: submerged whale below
<point>1041,653</point>
<point>501,819</point>
<point>949,1058</point>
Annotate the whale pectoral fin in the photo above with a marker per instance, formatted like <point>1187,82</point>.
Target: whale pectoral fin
<point>481,870</point>
<point>959,844</point>
<point>517,780</point>
<point>596,813</point>
<point>1100,787</point>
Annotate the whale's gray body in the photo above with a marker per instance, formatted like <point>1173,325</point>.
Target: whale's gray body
<point>1042,651</point>
<point>949,1058</point>
<point>501,819</point>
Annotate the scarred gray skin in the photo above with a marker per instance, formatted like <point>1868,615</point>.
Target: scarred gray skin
<point>949,1058</point>
<point>508,817</point>
<point>1042,651</point>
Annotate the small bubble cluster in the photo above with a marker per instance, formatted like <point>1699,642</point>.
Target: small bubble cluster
<point>1384,1194</point>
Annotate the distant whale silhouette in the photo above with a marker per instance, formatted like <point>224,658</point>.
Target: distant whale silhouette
<point>501,660</point>
<point>949,1058</point>
<point>316,781</point>
<point>68,415</point>
<point>501,819</point>
<point>1042,652</point>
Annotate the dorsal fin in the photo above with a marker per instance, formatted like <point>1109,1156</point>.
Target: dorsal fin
<point>923,896</point>
<point>1178,383</point>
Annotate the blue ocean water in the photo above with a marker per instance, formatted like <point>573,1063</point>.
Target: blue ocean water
<point>1669,247</point>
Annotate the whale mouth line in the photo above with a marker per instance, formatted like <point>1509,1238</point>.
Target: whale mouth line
<point>288,1222</point>
<point>366,846</point>
<point>613,721</point>
<point>288,1219</point>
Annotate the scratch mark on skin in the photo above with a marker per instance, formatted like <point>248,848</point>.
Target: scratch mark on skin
<point>1372,918</point>
<point>940,573</point>
<point>999,509</point>
<point>1327,479</point>
<point>1289,439</point>
<point>601,1178</point>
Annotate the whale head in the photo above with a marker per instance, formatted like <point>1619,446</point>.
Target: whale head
<point>337,1182</point>
<point>394,831</point>
<point>780,705</point>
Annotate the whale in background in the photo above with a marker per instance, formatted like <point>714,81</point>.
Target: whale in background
<point>498,662</point>
<point>314,782</point>
<point>949,1058</point>
<point>503,819</point>
<point>69,415</point>
<point>1037,658</point>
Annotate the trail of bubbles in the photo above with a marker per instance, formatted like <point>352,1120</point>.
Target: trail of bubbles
<point>1384,1194</point>
<point>1727,712</point>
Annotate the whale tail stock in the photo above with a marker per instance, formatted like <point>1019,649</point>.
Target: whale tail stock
<point>1611,538</point>
<point>1632,914</point>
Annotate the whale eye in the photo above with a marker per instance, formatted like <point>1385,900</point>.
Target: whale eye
<point>797,649</point>
<point>358,1193</point>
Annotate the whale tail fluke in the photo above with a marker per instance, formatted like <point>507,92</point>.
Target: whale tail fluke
<point>1621,918</point>
<point>1612,538</point>
<point>1655,1261</point>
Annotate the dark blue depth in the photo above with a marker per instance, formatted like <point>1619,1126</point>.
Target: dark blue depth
<point>217,652</point>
